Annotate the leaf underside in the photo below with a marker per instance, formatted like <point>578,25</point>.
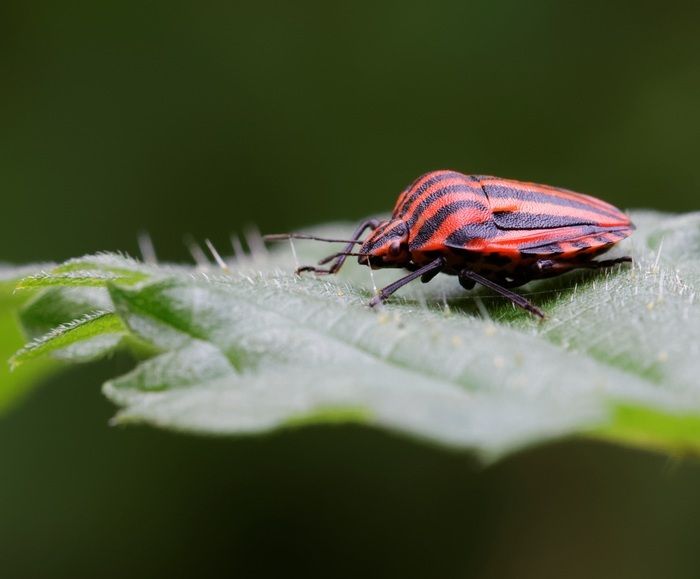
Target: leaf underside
<point>254,347</point>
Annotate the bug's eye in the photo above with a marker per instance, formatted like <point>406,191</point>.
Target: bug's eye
<point>395,249</point>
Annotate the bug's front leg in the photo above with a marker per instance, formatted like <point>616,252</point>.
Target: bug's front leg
<point>467,278</point>
<point>339,259</point>
<point>432,269</point>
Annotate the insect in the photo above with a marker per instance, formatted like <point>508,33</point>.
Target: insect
<point>499,233</point>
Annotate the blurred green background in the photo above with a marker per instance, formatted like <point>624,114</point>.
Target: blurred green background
<point>205,117</point>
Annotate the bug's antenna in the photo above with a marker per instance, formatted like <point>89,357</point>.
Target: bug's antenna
<point>340,254</point>
<point>285,236</point>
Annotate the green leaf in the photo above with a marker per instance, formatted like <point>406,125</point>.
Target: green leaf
<point>47,309</point>
<point>88,271</point>
<point>13,385</point>
<point>76,323</point>
<point>255,347</point>
<point>81,340</point>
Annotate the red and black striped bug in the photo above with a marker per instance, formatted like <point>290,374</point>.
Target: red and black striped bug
<point>499,233</point>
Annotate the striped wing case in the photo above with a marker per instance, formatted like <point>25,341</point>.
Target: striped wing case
<point>490,214</point>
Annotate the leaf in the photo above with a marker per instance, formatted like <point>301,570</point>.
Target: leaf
<point>13,385</point>
<point>60,305</point>
<point>255,348</point>
<point>89,271</point>
<point>83,339</point>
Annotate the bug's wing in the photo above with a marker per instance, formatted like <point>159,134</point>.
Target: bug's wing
<point>529,206</point>
<point>537,220</point>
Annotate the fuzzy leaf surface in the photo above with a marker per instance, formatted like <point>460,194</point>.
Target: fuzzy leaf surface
<point>255,348</point>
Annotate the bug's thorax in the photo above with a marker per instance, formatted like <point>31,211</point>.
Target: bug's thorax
<point>387,246</point>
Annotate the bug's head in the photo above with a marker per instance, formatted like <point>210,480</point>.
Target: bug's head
<point>387,246</point>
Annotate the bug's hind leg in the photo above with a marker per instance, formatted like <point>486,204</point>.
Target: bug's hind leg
<point>468,278</point>
<point>606,262</point>
<point>550,267</point>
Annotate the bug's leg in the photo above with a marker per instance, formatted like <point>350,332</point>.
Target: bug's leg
<point>606,262</point>
<point>518,300</point>
<point>551,267</point>
<point>433,268</point>
<point>411,267</point>
<point>466,283</point>
<point>340,260</point>
<point>426,277</point>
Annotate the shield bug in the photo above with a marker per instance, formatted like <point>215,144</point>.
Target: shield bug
<point>499,233</point>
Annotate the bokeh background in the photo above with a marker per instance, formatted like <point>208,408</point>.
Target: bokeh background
<point>206,117</point>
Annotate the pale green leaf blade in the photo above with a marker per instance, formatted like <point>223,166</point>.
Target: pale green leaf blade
<point>308,344</point>
<point>254,347</point>
<point>88,271</point>
<point>53,306</point>
<point>81,340</point>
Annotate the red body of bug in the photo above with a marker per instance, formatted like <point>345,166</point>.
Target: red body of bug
<point>499,233</point>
